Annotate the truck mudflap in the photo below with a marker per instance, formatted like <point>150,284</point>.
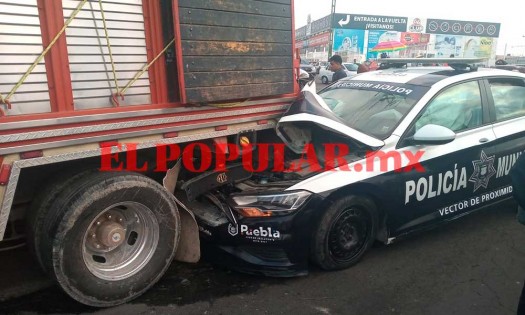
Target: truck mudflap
<point>188,249</point>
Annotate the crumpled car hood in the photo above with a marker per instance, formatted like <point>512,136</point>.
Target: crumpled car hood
<point>313,109</point>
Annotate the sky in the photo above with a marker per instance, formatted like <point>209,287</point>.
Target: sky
<point>507,12</point>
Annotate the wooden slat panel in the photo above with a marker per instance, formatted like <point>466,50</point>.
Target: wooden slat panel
<point>220,18</point>
<point>253,7</point>
<point>213,48</point>
<point>202,64</point>
<point>277,1</point>
<point>236,49</point>
<point>203,79</point>
<point>221,93</point>
<point>201,32</point>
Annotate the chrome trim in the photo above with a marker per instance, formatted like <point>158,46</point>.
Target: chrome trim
<point>9,195</point>
<point>64,143</point>
<point>131,124</point>
<point>18,165</point>
<point>129,114</point>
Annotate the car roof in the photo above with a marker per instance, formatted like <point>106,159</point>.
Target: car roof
<point>428,76</point>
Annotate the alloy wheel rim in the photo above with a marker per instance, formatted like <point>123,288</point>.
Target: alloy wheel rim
<point>120,241</point>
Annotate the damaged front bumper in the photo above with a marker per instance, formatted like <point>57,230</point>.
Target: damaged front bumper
<point>271,246</point>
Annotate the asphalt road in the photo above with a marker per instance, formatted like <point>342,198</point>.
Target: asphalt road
<point>474,265</point>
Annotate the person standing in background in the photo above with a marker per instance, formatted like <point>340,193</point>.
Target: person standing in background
<point>363,67</point>
<point>336,65</point>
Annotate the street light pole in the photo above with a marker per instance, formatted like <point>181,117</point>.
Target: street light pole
<point>523,36</point>
<point>331,41</point>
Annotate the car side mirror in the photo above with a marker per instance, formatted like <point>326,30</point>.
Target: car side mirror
<point>432,135</point>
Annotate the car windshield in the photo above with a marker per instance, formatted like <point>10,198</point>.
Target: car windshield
<point>374,108</point>
<point>351,66</point>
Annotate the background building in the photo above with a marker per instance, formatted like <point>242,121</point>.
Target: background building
<point>359,37</point>
<point>314,39</point>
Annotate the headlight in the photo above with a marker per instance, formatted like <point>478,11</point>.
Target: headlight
<point>269,205</point>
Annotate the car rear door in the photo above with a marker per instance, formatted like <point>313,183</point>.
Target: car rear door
<point>507,110</point>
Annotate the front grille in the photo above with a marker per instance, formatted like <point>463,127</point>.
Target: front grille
<point>266,253</point>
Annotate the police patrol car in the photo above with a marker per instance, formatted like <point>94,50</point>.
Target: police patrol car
<point>426,145</point>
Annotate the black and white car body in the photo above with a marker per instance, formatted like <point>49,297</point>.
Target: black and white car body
<point>426,145</point>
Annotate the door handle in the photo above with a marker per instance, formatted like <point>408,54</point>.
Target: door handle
<point>483,140</point>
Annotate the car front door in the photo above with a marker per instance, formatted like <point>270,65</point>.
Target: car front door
<point>453,172</point>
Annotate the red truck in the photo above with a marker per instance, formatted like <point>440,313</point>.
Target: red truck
<point>88,81</point>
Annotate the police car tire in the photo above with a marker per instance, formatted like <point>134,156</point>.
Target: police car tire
<point>361,213</point>
<point>324,80</point>
<point>69,218</point>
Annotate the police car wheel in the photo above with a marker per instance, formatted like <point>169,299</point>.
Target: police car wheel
<point>108,237</point>
<point>346,231</point>
<point>324,80</point>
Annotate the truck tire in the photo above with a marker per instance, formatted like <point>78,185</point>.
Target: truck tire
<point>44,198</point>
<point>346,231</point>
<point>108,237</point>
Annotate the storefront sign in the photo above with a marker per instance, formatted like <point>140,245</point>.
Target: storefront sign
<point>414,39</point>
<point>373,40</point>
<point>370,22</point>
<point>319,40</point>
<point>416,25</point>
<point>435,26</point>
<point>348,41</point>
<point>478,47</point>
<point>321,25</point>
<point>300,32</point>
<point>448,46</point>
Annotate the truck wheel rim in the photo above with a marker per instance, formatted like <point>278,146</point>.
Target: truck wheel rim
<point>348,234</point>
<point>120,241</point>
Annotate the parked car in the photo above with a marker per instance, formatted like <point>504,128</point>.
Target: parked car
<point>415,147</point>
<point>326,74</point>
<point>321,65</point>
<point>308,68</point>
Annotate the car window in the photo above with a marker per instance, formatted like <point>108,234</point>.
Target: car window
<point>351,66</point>
<point>374,108</point>
<point>457,108</point>
<point>509,97</point>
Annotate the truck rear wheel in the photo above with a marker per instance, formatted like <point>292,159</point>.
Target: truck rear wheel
<point>39,209</point>
<point>108,237</point>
